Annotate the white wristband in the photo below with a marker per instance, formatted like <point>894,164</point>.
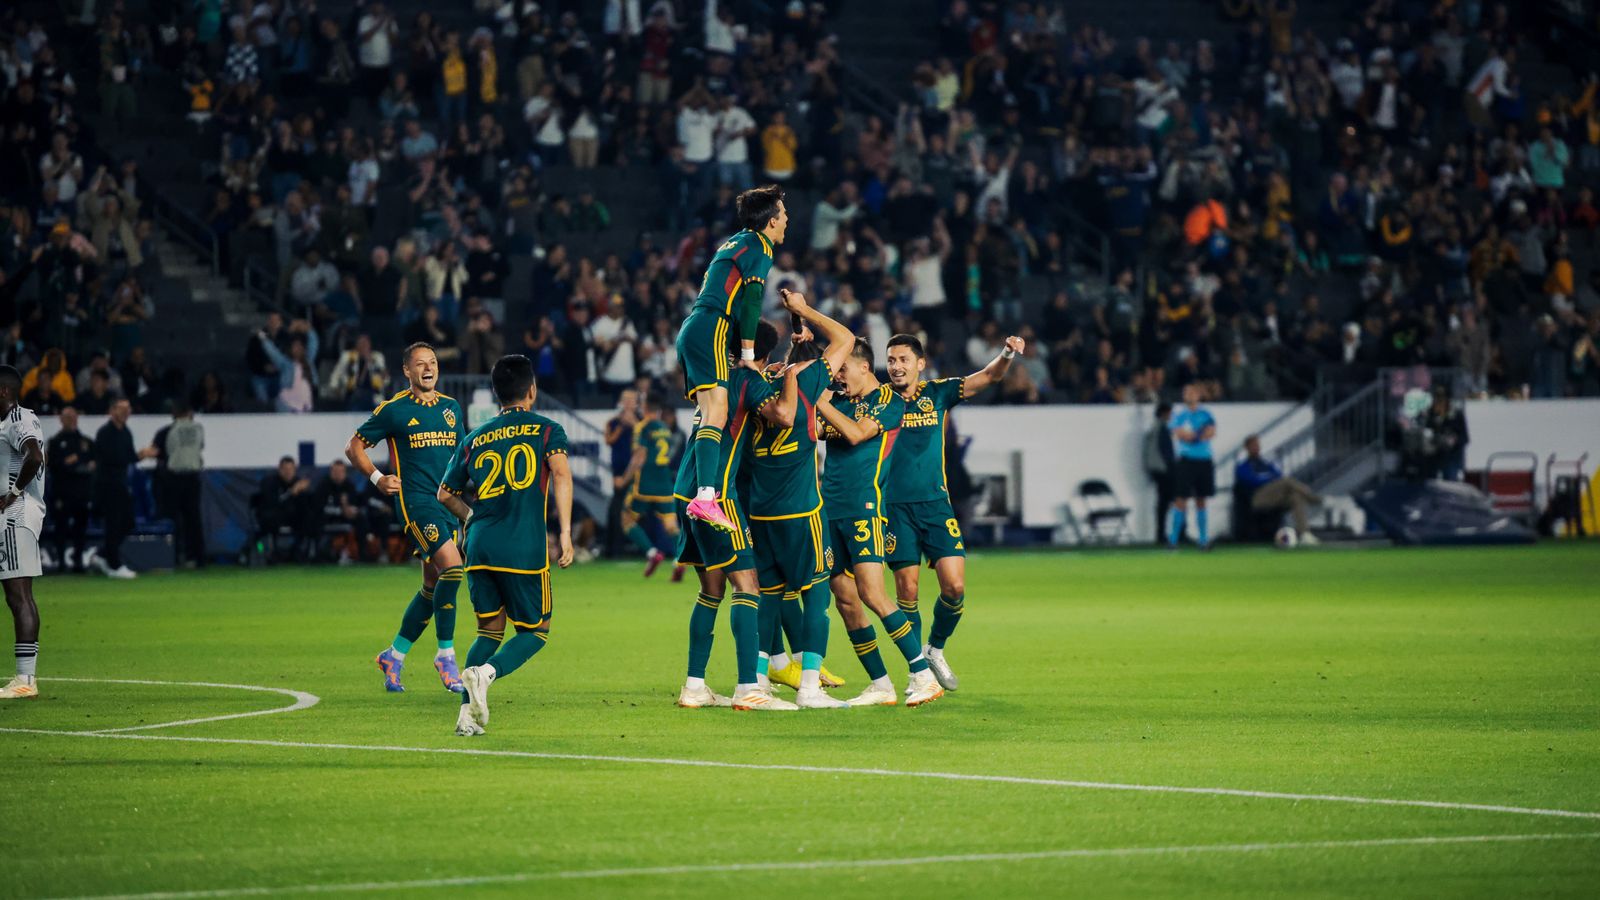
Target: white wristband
<point>1008,353</point>
<point>748,354</point>
<point>376,476</point>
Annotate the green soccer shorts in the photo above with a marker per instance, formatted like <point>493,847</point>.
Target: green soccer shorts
<point>789,552</point>
<point>651,506</point>
<point>704,547</point>
<point>429,526</point>
<point>524,597</point>
<point>703,351</point>
<point>852,542</point>
<point>924,530</point>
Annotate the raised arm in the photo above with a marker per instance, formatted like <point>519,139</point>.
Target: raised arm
<point>840,339</point>
<point>561,486</point>
<point>995,371</point>
<point>781,412</point>
<point>853,430</point>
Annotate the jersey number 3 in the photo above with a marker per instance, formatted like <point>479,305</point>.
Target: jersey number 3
<point>490,487</point>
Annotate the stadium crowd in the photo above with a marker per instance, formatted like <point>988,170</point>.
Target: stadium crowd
<point>1389,196</point>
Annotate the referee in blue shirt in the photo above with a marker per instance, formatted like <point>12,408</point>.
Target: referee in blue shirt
<point>1195,479</point>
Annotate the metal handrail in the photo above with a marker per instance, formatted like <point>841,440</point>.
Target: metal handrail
<point>183,225</point>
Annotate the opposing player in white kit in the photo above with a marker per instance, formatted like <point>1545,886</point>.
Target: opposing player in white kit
<point>21,523</point>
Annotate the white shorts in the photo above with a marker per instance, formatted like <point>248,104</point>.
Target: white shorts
<point>19,552</point>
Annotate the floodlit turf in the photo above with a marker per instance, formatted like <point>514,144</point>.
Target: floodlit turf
<point>1464,675</point>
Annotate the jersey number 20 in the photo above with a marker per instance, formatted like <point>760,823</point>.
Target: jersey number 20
<point>490,487</point>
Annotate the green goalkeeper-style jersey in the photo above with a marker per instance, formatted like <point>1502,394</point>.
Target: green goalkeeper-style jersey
<point>782,466</point>
<point>506,461</point>
<point>918,470</point>
<point>653,481</point>
<point>747,393</point>
<point>742,259</point>
<point>422,437</point>
<point>854,477</point>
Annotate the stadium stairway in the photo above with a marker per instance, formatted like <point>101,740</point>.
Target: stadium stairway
<point>197,315</point>
<point>886,39</point>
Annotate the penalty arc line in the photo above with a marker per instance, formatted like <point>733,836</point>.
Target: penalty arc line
<point>836,770</point>
<point>302,700</point>
<point>825,864</point>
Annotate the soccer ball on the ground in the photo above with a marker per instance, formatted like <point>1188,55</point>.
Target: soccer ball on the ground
<point>1286,538</point>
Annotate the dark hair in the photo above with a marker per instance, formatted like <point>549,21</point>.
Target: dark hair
<point>653,401</point>
<point>863,351</point>
<point>758,206</point>
<point>799,351</point>
<point>405,357</point>
<point>908,340</point>
<point>10,376</point>
<point>1162,409</point>
<point>287,459</point>
<point>512,377</point>
<point>766,340</point>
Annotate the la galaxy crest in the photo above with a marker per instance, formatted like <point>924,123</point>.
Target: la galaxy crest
<point>450,417</point>
<point>431,531</point>
<point>925,404</point>
<point>827,558</point>
<point>888,541</point>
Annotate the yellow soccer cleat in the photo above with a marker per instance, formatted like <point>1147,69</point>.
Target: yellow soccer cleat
<point>788,676</point>
<point>831,680</point>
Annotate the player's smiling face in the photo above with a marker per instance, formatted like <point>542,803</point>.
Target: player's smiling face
<point>780,224</point>
<point>905,367</point>
<point>422,370</point>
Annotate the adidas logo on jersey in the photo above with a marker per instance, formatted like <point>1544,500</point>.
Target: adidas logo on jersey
<point>412,422</point>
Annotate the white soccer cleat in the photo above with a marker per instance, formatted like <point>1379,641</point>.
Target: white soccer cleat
<point>924,688</point>
<point>941,670</point>
<point>701,697</point>
<point>817,699</point>
<point>21,687</point>
<point>874,696</point>
<point>466,726</point>
<point>1307,539</point>
<point>121,572</point>
<point>476,679</point>
<point>759,699</point>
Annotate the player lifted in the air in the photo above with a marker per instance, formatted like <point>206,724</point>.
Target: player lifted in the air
<point>21,523</point>
<point>727,311</point>
<point>648,517</point>
<point>721,557</point>
<point>861,428</point>
<point>787,516</point>
<point>922,524</point>
<point>507,468</point>
<point>422,428</point>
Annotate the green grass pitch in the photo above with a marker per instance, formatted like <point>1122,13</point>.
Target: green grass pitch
<point>1465,676</point>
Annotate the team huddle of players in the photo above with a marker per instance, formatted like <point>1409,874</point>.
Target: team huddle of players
<point>747,504</point>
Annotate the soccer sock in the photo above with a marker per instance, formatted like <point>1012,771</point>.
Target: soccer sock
<point>866,646</point>
<point>1175,526</point>
<point>702,622</point>
<point>1201,524</point>
<point>914,613</point>
<point>639,539</point>
<point>518,649</point>
<point>899,629</point>
<point>444,606</point>
<point>814,640</point>
<point>414,622</point>
<point>811,679</point>
<point>763,665</point>
<point>707,449</point>
<point>946,616</point>
<point>27,658</point>
<point>792,615</point>
<point>744,617</point>
<point>482,648</point>
<point>656,533</point>
<point>771,637</point>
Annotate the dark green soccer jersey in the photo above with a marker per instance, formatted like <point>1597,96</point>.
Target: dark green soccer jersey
<point>506,461</point>
<point>653,481</point>
<point>854,477</point>
<point>747,393</point>
<point>918,470</point>
<point>742,259</point>
<point>422,438</point>
<point>783,461</point>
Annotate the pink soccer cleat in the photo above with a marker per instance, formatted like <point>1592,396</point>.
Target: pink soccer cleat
<point>711,513</point>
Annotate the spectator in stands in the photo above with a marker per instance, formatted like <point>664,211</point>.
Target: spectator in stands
<point>1264,486</point>
<point>182,444</point>
<point>296,389</point>
<point>285,503</point>
<point>311,281</point>
<point>69,456</point>
<point>53,369</point>
<point>129,309</point>
<point>360,377</point>
<point>114,456</point>
<point>99,399</point>
<point>341,505</point>
<point>210,396</point>
<point>376,34</point>
<point>431,328</point>
<point>483,344</point>
<point>615,347</point>
<point>142,385</point>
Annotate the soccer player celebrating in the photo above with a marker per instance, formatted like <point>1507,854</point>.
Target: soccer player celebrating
<point>730,295</point>
<point>509,466</point>
<point>649,505</point>
<point>921,521</point>
<point>1196,478</point>
<point>721,557</point>
<point>861,427</point>
<point>422,428</point>
<point>786,522</point>
<point>21,523</point>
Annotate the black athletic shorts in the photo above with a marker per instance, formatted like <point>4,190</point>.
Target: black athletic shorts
<point>1194,478</point>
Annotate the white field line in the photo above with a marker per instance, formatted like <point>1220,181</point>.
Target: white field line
<point>302,700</point>
<point>838,770</point>
<point>825,864</point>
